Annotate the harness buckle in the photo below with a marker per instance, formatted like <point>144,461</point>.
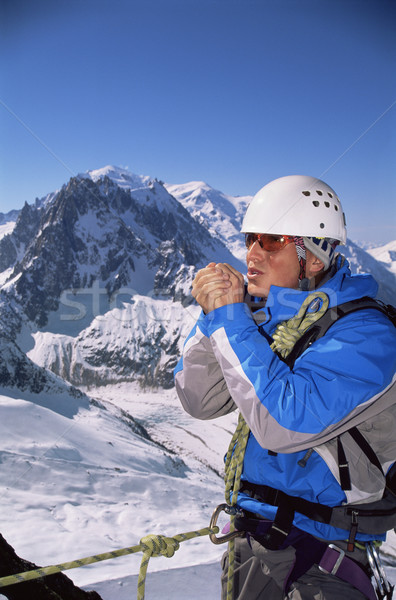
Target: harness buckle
<point>229,510</point>
<point>337,562</point>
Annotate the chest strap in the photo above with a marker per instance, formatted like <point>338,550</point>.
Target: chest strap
<point>287,507</point>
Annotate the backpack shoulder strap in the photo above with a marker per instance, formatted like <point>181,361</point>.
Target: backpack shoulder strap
<point>319,328</point>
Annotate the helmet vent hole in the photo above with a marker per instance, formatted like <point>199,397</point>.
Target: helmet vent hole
<point>329,194</point>
<point>321,225</point>
<point>306,193</point>
<point>319,193</point>
<point>327,204</point>
<point>335,206</point>
<point>315,202</point>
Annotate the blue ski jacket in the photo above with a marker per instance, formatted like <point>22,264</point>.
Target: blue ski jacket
<point>343,379</point>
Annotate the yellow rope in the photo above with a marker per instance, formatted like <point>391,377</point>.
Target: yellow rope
<point>233,471</point>
<point>158,545</point>
<point>289,332</point>
<point>151,545</point>
<point>285,336</point>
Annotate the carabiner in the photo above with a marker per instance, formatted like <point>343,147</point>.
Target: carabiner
<point>383,586</point>
<point>230,510</point>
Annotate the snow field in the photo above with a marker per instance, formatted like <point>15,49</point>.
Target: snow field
<point>76,480</point>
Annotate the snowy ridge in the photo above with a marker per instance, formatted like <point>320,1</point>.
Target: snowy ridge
<point>96,480</point>
<point>123,178</point>
<point>135,341</point>
<point>361,261</point>
<point>385,254</point>
<point>6,228</point>
<point>92,249</point>
<point>221,214</point>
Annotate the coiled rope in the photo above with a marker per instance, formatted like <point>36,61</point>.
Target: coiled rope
<point>150,545</point>
<point>285,336</point>
<point>289,332</point>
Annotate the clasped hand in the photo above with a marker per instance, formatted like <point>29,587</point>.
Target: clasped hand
<point>218,284</point>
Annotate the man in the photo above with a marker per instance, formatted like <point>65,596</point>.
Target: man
<point>305,451</point>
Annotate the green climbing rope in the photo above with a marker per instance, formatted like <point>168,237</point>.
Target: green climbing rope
<point>285,336</point>
<point>151,545</point>
<point>233,471</point>
<point>289,332</point>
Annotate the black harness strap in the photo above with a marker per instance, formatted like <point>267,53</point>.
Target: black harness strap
<point>365,447</point>
<point>274,497</point>
<point>319,328</point>
<point>343,467</point>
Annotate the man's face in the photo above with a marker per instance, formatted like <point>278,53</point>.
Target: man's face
<point>280,268</point>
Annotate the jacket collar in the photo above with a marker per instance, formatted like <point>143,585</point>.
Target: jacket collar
<point>284,303</point>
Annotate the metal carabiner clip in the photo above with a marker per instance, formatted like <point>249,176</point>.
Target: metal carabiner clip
<point>229,510</point>
<point>378,571</point>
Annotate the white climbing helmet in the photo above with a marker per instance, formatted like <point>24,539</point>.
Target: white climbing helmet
<point>296,205</point>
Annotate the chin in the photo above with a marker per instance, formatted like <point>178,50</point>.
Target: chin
<point>256,290</point>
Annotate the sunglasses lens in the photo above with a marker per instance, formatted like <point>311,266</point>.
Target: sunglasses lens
<point>273,243</point>
<point>250,238</point>
<point>270,243</point>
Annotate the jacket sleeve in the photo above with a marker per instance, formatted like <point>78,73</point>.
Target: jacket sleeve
<point>339,376</point>
<point>199,380</point>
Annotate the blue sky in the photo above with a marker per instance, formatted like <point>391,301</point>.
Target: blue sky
<point>231,92</point>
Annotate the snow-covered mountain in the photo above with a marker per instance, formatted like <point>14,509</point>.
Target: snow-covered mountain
<point>142,339</point>
<point>138,238</point>
<point>361,261</point>
<point>76,262</point>
<point>221,214</point>
<point>9,217</point>
<point>385,254</point>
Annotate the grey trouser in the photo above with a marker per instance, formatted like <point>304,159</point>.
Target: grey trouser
<point>259,574</point>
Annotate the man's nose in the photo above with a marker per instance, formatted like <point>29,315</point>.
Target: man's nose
<point>256,252</point>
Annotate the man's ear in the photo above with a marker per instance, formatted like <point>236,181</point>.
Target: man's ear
<point>314,265</point>
<point>317,265</point>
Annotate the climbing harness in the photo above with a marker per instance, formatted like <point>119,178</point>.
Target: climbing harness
<point>290,339</point>
<point>150,545</point>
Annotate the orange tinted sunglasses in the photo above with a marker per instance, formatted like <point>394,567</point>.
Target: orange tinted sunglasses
<point>268,242</point>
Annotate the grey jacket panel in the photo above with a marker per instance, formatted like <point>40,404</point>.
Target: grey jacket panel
<point>368,483</point>
<point>200,385</point>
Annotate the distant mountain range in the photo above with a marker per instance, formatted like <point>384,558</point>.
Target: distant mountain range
<point>95,278</point>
